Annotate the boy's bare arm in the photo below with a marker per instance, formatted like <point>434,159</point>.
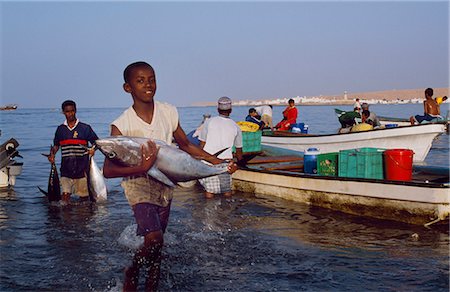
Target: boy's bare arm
<point>185,145</point>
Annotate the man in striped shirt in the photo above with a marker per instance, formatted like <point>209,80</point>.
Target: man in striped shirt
<point>73,137</point>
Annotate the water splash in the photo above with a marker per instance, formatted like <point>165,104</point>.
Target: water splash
<point>129,239</point>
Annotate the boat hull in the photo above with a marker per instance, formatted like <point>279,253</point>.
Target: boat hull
<point>8,174</point>
<point>417,138</point>
<point>411,203</point>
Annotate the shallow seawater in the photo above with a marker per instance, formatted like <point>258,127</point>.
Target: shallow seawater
<point>246,243</point>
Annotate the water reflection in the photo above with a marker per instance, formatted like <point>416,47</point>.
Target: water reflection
<point>264,243</point>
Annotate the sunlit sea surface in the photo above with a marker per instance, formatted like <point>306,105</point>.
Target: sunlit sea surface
<point>247,243</point>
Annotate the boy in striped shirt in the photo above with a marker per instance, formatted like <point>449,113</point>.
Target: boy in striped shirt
<point>72,137</point>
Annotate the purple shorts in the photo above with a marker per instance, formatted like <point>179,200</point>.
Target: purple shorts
<point>150,217</point>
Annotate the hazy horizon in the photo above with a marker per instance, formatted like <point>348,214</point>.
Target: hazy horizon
<point>52,51</point>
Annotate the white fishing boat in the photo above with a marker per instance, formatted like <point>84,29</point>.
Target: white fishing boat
<point>9,168</point>
<point>418,138</point>
<point>424,200</point>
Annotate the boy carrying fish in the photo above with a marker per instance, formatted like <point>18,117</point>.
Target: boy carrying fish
<point>149,199</point>
<point>73,137</point>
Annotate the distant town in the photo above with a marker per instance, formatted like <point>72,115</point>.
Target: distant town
<point>346,98</point>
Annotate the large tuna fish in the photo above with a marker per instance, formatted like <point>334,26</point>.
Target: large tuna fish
<point>53,192</point>
<point>172,165</point>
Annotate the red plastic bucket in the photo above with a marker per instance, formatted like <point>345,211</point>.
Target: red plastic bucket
<point>398,164</point>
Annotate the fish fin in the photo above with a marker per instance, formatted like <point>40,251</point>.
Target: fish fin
<point>220,151</point>
<point>85,148</point>
<point>42,191</point>
<point>47,155</point>
<point>158,175</point>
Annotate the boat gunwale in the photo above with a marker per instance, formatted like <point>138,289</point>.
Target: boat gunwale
<point>287,134</point>
<point>351,179</point>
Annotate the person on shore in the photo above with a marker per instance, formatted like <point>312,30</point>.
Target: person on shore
<point>265,112</point>
<point>289,117</point>
<point>357,105</point>
<point>252,118</point>
<point>221,132</point>
<point>348,120</point>
<point>73,137</point>
<point>149,199</point>
<point>372,119</point>
<point>430,107</point>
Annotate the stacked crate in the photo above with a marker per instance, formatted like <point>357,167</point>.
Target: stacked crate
<point>361,163</point>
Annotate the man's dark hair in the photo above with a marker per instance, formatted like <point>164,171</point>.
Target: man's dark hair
<point>251,110</point>
<point>366,113</point>
<point>429,91</point>
<point>290,100</point>
<point>67,103</point>
<point>129,68</point>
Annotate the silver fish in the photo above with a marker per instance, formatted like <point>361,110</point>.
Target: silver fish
<point>172,165</point>
<point>96,182</point>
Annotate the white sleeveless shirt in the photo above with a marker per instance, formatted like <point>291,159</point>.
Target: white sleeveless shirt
<point>164,123</point>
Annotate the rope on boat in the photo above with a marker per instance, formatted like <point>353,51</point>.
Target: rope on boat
<point>432,222</point>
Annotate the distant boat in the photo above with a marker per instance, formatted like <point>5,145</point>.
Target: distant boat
<point>9,107</point>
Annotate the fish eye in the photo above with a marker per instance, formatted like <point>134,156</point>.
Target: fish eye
<point>111,155</point>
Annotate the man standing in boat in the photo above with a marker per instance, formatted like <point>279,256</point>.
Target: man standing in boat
<point>265,112</point>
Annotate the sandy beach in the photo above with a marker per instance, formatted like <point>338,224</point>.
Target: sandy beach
<point>400,95</point>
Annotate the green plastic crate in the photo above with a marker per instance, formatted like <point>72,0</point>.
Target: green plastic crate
<point>251,142</point>
<point>327,164</point>
<point>361,163</point>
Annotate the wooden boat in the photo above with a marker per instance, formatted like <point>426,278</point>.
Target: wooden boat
<point>417,138</point>
<point>9,168</point>
<point>9,107</point>
<point>278,172</point>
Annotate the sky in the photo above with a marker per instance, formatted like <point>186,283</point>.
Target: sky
<point>53,51</point>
